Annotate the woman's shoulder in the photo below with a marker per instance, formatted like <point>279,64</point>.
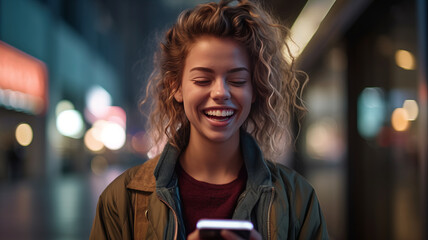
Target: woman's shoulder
<point>292,181</point>
<point>295,195</point>
<point>293,188</point>
<point>137,177</point>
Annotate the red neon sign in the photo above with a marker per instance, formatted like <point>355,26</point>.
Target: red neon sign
<point>23,81</point>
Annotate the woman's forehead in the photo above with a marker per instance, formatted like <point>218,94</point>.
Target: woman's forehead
<point>208,51</point>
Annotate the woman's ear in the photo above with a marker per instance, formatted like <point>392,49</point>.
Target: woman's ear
<point>178,96</point>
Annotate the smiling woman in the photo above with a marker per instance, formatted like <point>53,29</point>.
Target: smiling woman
<point>221,89</point>
<point>216,91</point>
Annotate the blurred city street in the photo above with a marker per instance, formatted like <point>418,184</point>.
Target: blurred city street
<point>60,208</point>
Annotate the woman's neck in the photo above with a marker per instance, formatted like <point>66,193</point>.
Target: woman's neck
<point>212,162</point>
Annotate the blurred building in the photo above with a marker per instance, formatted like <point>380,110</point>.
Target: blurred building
<point>71,67</point>
<point>364,139</point>
<point>91,59</point>
<point>73,71</point>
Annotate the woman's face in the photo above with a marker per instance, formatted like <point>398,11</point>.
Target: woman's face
<point>216,88</point>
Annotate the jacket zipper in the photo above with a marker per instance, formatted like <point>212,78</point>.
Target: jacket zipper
<point>269,210</point>
<point>175,218</point>
<point>239,201</point>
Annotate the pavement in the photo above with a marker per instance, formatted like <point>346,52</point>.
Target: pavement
<point>58,208</point>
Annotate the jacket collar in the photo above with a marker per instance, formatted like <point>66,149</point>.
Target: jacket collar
<point>257,169</point>
<point>144,180</point>
<point>160,171</point>
<point>165,170</point>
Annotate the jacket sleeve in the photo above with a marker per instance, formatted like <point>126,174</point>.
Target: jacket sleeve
<point>312,223</point>
<point>106,224</point>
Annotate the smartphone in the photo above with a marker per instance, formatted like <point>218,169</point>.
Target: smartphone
<point>211,228</point>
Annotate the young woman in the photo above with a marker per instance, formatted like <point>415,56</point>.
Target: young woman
<point>223,95</point>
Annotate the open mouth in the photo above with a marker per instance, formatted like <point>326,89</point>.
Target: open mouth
<point>219,114</point>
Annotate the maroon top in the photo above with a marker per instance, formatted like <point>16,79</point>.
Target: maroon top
<point>204,200</point>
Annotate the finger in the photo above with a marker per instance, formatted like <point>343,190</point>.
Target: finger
<point>228,235</point>
<point>194,235</point>
<point>254,235</point>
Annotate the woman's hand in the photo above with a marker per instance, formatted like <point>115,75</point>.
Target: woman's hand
<point>194,235</point>
<point>227,235</point>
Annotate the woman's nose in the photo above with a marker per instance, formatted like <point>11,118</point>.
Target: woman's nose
<point>220,90</point>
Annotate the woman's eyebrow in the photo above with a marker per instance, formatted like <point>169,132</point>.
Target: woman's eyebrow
<point>209,70</point>
<point>233,70</point>
<point>202,69</point>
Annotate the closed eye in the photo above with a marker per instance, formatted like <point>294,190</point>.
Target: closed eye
<point>202,81</point>
<point>238,82</point>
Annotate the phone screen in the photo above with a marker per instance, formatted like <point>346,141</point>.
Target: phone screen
<point>211,228</point>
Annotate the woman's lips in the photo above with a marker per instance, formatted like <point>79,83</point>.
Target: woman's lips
<point>220,115</point>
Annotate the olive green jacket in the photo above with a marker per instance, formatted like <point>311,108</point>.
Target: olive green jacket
<point>144,202</point>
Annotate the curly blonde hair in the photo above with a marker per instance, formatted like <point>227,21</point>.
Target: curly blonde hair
<point>276,87</point>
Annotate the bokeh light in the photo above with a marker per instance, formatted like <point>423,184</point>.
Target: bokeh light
<point>371,112</point>
<point>405,59</point>
<point>24,134</point>
<point>116,114</point>
<point>323,140</point>
<point>62,106</point>
<point>98,100</point>
<point>399,120</point>
<point>110,134</point>
<point>412,109</point>
<point>70,123</point>
<point>113,136</point>
<point>92,141</point>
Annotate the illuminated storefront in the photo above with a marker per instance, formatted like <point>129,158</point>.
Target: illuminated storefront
<point>23,104</point>
<point>364,140</point>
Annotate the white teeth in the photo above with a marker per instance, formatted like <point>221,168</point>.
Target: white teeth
<point>220,113</point>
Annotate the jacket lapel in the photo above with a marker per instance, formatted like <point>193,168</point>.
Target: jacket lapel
<point>144,180</point>
<point>149,213</point>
